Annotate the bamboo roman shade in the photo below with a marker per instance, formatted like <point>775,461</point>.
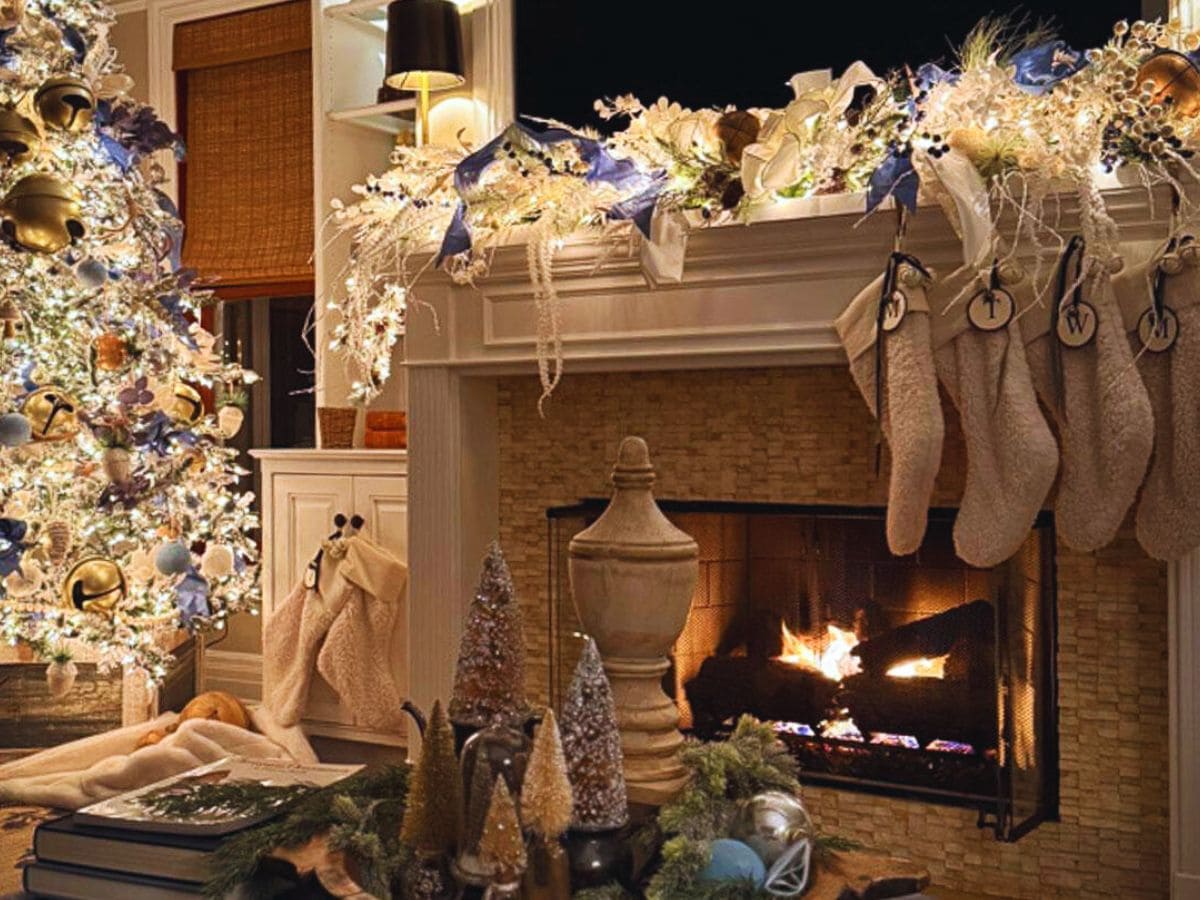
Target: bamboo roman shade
<point>245,86</point>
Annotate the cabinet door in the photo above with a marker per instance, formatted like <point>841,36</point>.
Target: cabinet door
<point>303,507</point>
<point>383,502</point>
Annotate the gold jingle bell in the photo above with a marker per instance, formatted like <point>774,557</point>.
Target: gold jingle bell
<point>1174,82</point>
<point>66,103</point>
<point>42,213</point>
<point>53,414</point>
<point>185,405</point>
<point>19,137</point>
<point>94,585</point>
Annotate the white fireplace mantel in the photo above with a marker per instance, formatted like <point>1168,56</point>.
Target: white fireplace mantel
<point>757,295</point>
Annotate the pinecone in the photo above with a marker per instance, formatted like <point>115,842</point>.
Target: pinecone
<point>58,534</point>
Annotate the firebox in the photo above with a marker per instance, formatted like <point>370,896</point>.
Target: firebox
<point>915,676</point>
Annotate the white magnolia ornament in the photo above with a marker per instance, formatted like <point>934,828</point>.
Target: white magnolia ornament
<point>60,677</point>
<point>229,420</point>
<point>217,561</point>
<point>118,465</point>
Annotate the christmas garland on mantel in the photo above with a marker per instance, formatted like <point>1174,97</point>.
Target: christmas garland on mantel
<point>1016,121</point>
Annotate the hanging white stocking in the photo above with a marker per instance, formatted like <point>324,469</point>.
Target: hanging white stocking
<point>1011,454</point>
<point>1083,371</point>
<point>885,331</point>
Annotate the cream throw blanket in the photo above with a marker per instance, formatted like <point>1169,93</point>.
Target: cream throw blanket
<point>95,768</point>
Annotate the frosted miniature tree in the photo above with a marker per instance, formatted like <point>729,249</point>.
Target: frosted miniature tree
<point>546,798</point>
<point>592,746</point>
<point>502,846</point>
<point>489,682</point>
<point>433,817</point>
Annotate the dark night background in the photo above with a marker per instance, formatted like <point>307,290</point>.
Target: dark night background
<point>570,52</point>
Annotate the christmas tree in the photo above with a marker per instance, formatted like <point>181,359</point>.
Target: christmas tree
<point>502,846</point>
<point>433,816</point>
<point>546,799</point>
<point>489,682</point>
<point>118,518</point>
<point>592,746</point>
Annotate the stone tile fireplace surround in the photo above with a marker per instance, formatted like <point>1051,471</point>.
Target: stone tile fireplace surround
<point>735,379</point>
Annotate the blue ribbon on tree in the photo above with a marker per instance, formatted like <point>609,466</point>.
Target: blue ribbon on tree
<point>895,177</point>
<point>12,546</point>
<point>1039,68</point>
<point>191,597</point>
<point>603,167</point>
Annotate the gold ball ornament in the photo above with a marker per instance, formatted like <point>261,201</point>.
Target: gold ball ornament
<point>184,404</point>
<point>19,137</point>
<point>53,415</point>
<point>94,585</point>
<point>111,353</point>
<point>42,213</point>
<point>66,103</point>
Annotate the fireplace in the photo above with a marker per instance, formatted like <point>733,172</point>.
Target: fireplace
<point>913,676</point>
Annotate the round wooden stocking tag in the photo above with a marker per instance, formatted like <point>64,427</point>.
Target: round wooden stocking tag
<point>991,309</point>
<point>1158,333</point>
<point>894,310</point>
<point>1077,323</point>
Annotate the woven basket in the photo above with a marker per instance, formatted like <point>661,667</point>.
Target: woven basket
<point>337,426</point>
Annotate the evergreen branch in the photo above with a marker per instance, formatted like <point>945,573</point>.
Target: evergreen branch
<point>233,798</point>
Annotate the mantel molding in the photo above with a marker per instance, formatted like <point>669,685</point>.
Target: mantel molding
<point>760,294</point>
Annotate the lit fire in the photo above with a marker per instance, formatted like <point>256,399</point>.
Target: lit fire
<point>925,667</point>
<point>832,655</point>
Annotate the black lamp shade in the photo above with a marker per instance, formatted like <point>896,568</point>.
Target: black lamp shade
<point>424,45</point>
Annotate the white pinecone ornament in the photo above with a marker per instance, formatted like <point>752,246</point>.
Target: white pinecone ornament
<point>118,465</point>
<point>58,541</point>
<point>60,677</point>
<point>229,420</point>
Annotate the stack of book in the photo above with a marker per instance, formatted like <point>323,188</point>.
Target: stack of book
<point>124,847</point>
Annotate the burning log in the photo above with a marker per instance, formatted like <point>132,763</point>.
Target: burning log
<point>768,689</point>
<point>927,708</point>
<point>959,633</point>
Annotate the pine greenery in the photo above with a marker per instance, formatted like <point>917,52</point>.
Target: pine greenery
<point>361,815</point>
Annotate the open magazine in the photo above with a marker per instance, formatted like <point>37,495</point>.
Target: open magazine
<point>151,808</point>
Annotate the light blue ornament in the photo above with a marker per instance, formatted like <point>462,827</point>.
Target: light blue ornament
<point>15,430</point>
<point>734,861</point>
<point>173,558</point>
<point>91,273</point>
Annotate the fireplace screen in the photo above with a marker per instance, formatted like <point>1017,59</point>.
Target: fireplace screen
<point>916,676</point>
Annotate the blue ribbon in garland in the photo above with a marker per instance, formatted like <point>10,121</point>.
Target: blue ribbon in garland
<point>895,177</point>
<point>1040,68</point>
<point>603,167</point>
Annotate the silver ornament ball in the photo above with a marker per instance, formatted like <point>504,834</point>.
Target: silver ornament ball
<point>771,822</point>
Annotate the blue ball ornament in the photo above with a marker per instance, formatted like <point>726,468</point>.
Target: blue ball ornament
<point>15,430</point>
<point>732,860</point>
<point>173,558</point>
<point>91,273</point>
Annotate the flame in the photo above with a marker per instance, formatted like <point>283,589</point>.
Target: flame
<point>841,728</point>
<point>830,655</point>
<point>925,667</point>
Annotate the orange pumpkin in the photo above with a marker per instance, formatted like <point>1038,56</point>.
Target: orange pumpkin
<point>216,705</point>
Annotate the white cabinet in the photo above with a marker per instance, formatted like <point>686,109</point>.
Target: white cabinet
<point>302,492</point>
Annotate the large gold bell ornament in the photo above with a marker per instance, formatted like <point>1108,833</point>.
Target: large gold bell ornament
<point>94,585</point>
<point>1174,82</point>
<point>42,213</point>
<point>19,137</point>
<point>66,103</point>
<point>53,414</point>
<point>183,403</point>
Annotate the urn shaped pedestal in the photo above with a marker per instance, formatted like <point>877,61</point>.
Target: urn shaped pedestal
<point>633,574</point>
